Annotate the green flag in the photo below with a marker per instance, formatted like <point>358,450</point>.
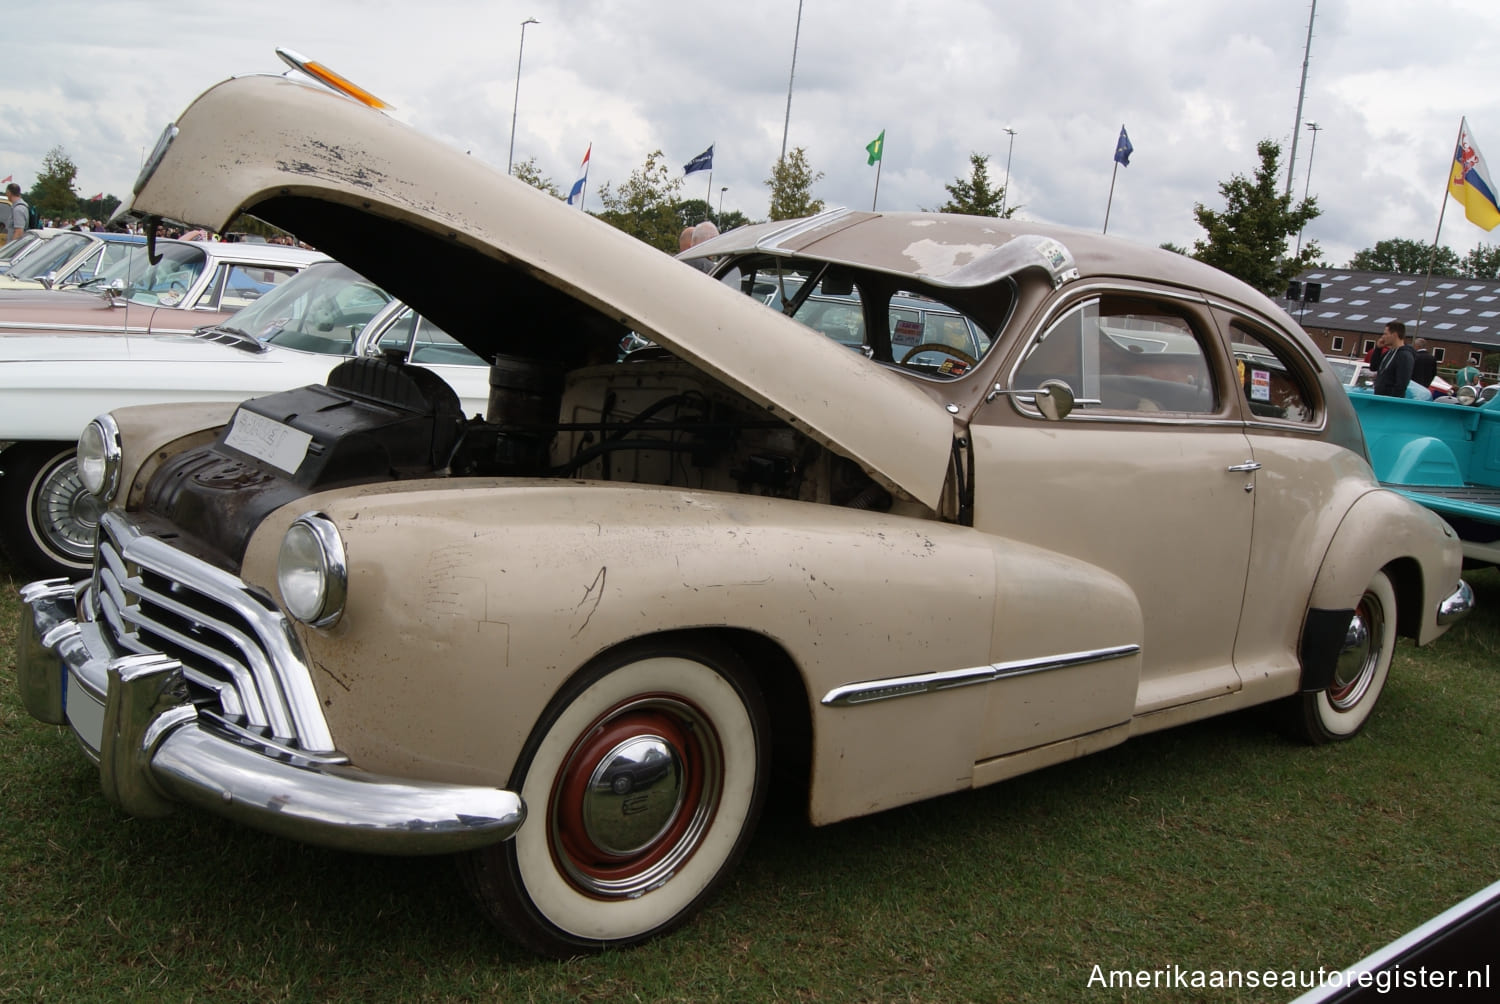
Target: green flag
<point>876,148</point>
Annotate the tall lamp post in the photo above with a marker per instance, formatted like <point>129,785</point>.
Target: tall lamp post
<point>721,203</point>
<point>1005,189</point>
<point>1311,149</point>
<point>791,78</point>
<point>511,156</point>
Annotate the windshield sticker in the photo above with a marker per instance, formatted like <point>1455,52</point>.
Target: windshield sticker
<point>954,367</point>
<point>906,332</point>
<point>281,446</point>
<point>1260,385</point>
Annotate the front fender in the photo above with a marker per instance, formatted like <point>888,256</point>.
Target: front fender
<point>152,433</point>
<point>470,603</point>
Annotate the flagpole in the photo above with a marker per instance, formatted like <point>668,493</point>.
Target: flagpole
<point>878,165</point>
<point>708,200</point>
<point>1112,175</point>
<point>1432,258</point>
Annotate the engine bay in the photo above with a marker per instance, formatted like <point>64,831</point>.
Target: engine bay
<point>656,421</point>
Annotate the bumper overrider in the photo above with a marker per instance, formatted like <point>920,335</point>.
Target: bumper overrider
<point>132,714</point>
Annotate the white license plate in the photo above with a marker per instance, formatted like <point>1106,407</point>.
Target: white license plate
<point>84,711</point>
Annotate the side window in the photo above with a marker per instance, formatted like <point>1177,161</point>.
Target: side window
<point>1124,354</point>
<point>435,346</point>
<point>1274,384</point>
<point>235,287</point>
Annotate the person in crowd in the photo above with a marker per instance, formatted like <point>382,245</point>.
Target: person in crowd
<point>17,214</point>
<point>704,231</point>
<point>1424,370</point>
<point>1395,363</point>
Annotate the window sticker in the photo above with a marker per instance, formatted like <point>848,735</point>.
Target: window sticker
<point>1260,385</point>
<point>907,332</point>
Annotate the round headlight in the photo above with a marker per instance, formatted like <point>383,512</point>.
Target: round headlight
<point>99,458</point>
<point>311,572</point>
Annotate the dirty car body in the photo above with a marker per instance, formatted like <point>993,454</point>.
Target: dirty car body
<point>573,637</point>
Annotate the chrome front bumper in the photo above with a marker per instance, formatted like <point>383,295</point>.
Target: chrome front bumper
<point>132,716</point>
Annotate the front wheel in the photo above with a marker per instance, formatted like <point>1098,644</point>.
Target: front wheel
<point>643,783</point>
<point>48,521</point>
<point>1342,709</point>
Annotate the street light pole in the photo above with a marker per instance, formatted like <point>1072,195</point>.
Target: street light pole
<point>787,125</point>
<point>1311,149</point>
<point>721,203</point>
<point>1005,189</point>
<point>511,156</point>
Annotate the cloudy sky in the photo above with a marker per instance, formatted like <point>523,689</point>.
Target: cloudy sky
<point>1196,84</point>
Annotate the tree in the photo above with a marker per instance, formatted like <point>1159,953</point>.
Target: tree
<point>974,196</point>
<point>1482,263</point>
<point>528,172</point>
<point>693,211</point>
<point>53,196</point>
<point>1248,238</point>
<point>1174,248</point>
<point>1405,257</point>
<point>791,183</point>
<point>646,204</point>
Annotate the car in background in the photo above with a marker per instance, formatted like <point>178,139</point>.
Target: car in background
<point>12,251</point>
<point>70,258</point>
<point>52,385</point>
<point>1350,372</point>
<point>193,283</point>
<point>577,637</point>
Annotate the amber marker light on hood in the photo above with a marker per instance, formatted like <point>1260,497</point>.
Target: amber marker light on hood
<point>327,77</point>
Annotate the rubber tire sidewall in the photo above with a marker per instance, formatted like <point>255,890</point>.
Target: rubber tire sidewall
<point>24,465</point>
<point>1321,721</point>
<point>517,884</point>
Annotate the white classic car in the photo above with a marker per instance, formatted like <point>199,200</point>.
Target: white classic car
<point>70,258</point>
<point>573,638</point>
<point>51,385</point>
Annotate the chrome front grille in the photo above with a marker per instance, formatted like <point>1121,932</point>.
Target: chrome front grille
<point>239,655</point>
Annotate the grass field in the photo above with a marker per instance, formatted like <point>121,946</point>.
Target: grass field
<point>1220,846</point>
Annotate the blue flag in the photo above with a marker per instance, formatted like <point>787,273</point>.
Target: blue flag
<point>703,162</point>
<point>1123,149</point>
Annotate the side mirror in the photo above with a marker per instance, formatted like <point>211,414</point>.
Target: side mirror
<point>1054,398</point>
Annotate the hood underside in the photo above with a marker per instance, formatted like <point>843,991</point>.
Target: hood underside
<point>505,268</point>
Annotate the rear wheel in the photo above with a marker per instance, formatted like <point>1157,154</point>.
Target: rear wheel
<point>1342,709</point>
<point>643,783</point>
<point>48,521</point>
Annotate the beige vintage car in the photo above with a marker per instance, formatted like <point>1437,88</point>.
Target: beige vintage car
<point>575,638</point>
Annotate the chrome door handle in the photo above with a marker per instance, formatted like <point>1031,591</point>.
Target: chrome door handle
<point>1248,465</point>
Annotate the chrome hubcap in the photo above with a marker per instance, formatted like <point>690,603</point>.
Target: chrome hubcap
<point>66,514</point>
<point>635,796</point>
<point>1361,654</point>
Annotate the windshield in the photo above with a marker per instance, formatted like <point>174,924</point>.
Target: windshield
<point>898,326</point>
<point>321,309</point>
<point>163,284</point>
<point>50,257</point>
<point>15,249</point>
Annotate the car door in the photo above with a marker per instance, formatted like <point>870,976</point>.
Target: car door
<point>1302,488</point>
<point>1145,479</point>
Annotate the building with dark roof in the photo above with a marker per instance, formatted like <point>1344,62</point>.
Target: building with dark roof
<point>1459,318</point>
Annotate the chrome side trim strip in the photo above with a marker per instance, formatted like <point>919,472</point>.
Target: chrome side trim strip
<point>927,683</point>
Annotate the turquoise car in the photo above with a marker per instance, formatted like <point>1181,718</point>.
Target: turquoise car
<point>1444,456</point>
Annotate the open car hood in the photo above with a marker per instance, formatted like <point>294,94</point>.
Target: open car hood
<point>507,269</point>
